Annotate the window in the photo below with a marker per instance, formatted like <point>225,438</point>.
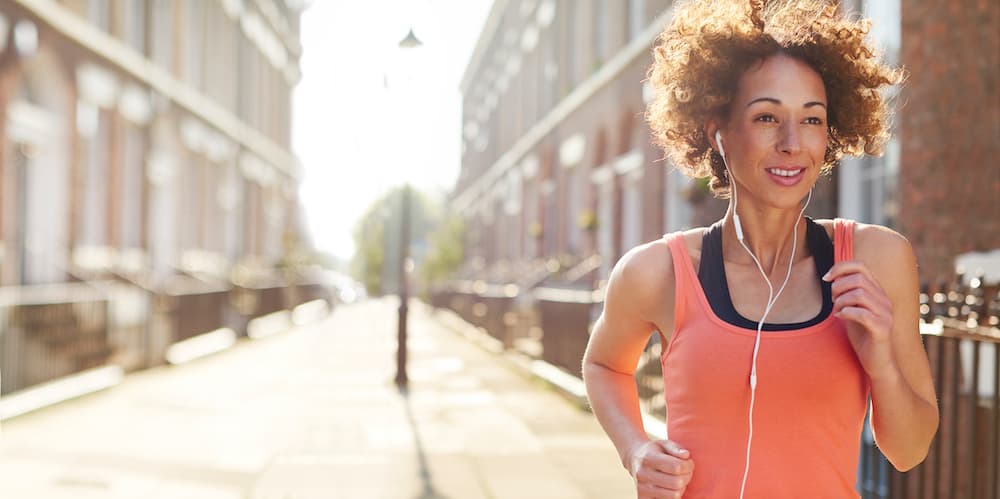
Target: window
<point>868,190</point>
<point>570,47</point>
<point>636,18</point>
<point>574,200</point>
<point>94,197</point>
<point>550,222</point>
<point>231,195</point>
<point>551,75</point>
<point>606,226</point>
<point>135,25</point>
<point>161,39</point>
<point>600,32</point>
<point>131,187</point>
<point>195,20</point>
<point>631,210</point>
<point>99,13</point>
<point>678,215</point>
<point>530,220</point>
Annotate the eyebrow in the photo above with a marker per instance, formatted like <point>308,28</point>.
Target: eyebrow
<point>776,101</point>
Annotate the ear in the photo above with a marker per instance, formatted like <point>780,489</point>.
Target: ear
<point>710,128</point>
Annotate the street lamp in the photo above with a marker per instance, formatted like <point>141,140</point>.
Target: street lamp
<point>410,42</point>
<point>407,43</point>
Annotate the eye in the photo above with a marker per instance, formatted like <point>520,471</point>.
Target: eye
<point>766,118</point>
<point>814,121</point>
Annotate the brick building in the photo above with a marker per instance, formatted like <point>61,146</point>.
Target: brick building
<point>557,161</point>
<point>559,179</point>
<point>556,158</point>
<point>949,125</point>
<point>145,151</point>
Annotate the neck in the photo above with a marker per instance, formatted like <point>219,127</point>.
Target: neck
<point>768,234</point>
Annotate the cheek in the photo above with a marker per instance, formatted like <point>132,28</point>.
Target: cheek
<point>817,143</point>
<point>757,143</point>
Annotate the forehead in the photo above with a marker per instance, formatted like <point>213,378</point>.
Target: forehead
<point>781,77</point>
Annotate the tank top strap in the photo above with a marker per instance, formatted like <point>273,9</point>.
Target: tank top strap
<point>843,239</point>
<point>685,279</point>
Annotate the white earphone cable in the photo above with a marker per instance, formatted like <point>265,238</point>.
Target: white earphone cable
<point>772,297</point>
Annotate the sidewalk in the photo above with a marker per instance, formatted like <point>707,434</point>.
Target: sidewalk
<point>473,425</point>
<point>313,413</point>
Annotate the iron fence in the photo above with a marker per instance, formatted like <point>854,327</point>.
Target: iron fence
<point>961,334</point>
<point>52,331</point>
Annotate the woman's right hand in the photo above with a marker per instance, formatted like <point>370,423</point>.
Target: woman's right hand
<point>661,469</point>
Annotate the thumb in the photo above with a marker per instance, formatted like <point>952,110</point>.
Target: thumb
<point>674,449</point>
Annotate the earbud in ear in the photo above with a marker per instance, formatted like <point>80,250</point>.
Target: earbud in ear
<point>732,183</point>
<point>718,140</point>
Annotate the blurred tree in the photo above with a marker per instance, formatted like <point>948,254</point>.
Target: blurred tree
<point>376,238</point>
<point>447,249</point>
<point>369,253</point>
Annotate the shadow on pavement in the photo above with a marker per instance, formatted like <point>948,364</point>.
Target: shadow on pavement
<point>425,473</point>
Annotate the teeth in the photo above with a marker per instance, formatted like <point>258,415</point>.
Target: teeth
<point>784,173</point>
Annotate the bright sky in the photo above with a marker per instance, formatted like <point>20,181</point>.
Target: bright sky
<point>357,137</point>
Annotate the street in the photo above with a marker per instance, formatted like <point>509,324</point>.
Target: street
<point>313,413</point>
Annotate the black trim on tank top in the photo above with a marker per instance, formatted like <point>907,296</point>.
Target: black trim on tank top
<point>712,275</point>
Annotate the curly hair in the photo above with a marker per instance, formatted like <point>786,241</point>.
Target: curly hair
<point>701,54</point>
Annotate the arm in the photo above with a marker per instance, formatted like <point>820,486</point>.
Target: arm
<point>877,294</point>
<point>641,285</point>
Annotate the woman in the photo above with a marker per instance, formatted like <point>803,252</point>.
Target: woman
<point>777,328</point>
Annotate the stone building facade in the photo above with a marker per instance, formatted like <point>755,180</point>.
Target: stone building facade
<point>145,145</point>
<point>557,160</point>
<point>559,179</point>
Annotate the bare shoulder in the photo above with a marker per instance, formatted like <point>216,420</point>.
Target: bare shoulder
<point>878,245</point>
<point>871,240</point>
<point>886,252</point>
<point>645,274</point>
<point>638,300</point>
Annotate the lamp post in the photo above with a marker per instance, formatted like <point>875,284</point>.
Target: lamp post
<point>407,43</point>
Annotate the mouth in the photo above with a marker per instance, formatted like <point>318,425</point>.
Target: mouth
<point>786,176</point>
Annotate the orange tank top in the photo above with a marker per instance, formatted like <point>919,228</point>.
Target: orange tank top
<point>810,405</point>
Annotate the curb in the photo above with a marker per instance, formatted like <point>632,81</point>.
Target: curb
<point>60,390</point>
<point>565,384</point>
<point>98,379</point>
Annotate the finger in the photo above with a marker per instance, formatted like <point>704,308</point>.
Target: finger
<point>663,480</point>
<point>860,315</point>
<point>671,465</point>
<point>840,269</point>
<point>874,294</point>
<point>853,279</point>
<point>674,449</point>
<point>853,298</point>
<point>650,491</point>
<point>847,283</point>
<point>665,463</point>
<point>671,482</point>
<point>865,294</point>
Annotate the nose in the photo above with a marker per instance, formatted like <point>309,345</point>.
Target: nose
<point>789,141</point>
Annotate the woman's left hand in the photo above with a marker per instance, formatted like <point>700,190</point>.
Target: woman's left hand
<point>863,304</point>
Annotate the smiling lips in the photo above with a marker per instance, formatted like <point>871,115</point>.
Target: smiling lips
<point>786,176</point>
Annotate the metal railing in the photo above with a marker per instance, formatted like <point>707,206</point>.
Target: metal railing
<point>961,334</point>
<point>962,340</point>
<point>963,458</point>
<point>50,331</point>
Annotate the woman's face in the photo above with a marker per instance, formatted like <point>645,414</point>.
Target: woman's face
<point>776,136</point>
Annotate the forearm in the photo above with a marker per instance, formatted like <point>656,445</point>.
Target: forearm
<point>615,401</point>
<point>903,423</point>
